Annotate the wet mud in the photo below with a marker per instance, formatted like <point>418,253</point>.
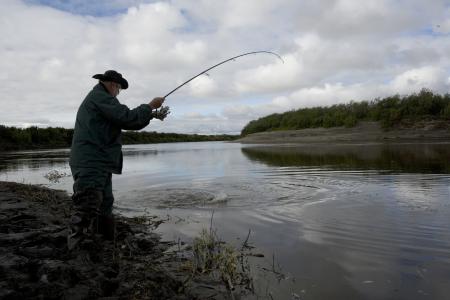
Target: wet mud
<point>36,264</point>
<point>363,132</point>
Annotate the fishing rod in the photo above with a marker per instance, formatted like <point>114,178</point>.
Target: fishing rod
<point>162,113</point>
<point>227,60</point>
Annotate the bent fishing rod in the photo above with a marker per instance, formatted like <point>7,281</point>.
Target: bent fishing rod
<point>162,113</point>
<point>227,60</point>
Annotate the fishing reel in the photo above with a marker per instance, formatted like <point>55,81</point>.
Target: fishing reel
<point>162,113</point>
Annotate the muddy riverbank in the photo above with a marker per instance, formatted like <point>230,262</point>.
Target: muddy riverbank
<point>364,132</point>
<point>36,264</point>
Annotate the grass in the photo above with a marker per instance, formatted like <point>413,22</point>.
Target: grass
<point>210,255</point>
<point>221,260</point>
<point>37,193</point>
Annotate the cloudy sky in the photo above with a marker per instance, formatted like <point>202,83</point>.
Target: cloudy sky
<point>334,51</point>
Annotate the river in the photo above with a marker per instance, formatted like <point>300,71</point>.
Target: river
<point>360,221</point>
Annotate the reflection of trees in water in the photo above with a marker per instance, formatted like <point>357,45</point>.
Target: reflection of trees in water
<point>420,158</point>
<point>49,159</point>
<point>14,161</point>
<point>139,153</point>
<point>17,165</point>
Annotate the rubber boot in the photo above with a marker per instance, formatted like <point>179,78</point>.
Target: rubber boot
<point>106,226</point>
<point>86,210</point>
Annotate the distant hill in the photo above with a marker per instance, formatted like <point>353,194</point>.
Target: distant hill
<point>390,112</point>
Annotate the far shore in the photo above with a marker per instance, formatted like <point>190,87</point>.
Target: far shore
<point>364,132</point>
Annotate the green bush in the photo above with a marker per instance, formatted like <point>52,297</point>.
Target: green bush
<point>446,112</point>
<point>390,111</point>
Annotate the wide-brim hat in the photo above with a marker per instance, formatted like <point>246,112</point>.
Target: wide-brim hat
<point>113,76</point>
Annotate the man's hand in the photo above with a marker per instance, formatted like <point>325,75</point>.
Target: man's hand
<point>156,102</point>
<point>162,113</point>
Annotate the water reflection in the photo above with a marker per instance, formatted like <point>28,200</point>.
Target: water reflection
<point>36,159</point>
<point>410,158</point>
<point>343,221</point>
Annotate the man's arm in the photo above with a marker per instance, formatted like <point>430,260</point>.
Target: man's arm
<point>128,119</point>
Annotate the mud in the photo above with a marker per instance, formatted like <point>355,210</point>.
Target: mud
<point>36,264</point>
<point>364,132</point>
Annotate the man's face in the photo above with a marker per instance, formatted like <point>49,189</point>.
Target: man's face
<point>115,89</point>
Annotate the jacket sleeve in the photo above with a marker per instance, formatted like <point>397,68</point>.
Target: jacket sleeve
<point>120,114</point>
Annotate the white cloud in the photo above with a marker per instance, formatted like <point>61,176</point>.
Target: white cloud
<point>270,77</point>
<point>330,94</point>
<point>334,51</point>
<point>145,33</point>
<point>410,81</point>
<point>433,78</point>
<point>202,86</point>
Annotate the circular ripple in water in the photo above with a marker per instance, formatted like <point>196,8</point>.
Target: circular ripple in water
<point>180,198</point>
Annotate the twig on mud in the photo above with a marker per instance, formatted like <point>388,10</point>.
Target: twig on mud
<point>129,246</point>
<point>244,260</point>
<point>273,262</point>
<point>245,244</point>
<point>179,244</point>
<point>280,275</point>
<point>211,222</point>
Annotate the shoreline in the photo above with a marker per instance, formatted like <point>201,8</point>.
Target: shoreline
<point>364,132</point>
<point>36,264</point>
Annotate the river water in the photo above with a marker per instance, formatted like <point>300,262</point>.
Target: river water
<point>361,221</point>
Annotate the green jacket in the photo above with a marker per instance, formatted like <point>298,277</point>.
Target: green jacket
<point>100,119</point>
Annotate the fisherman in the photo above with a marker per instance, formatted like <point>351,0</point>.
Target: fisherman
<point>96,153</point>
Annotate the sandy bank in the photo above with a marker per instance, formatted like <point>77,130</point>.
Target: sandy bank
<point>35,262</point>
<point>361,133</point>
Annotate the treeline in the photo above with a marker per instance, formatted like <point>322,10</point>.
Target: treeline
<point>12,138</point>
<point>142,137</point>
<point>389,111</point>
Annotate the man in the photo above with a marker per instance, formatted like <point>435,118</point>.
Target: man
<point>96,152</point>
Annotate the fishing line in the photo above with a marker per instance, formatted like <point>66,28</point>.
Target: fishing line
<point>227,60</point>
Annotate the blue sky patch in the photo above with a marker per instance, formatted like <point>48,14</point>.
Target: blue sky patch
<point>98,8</point>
